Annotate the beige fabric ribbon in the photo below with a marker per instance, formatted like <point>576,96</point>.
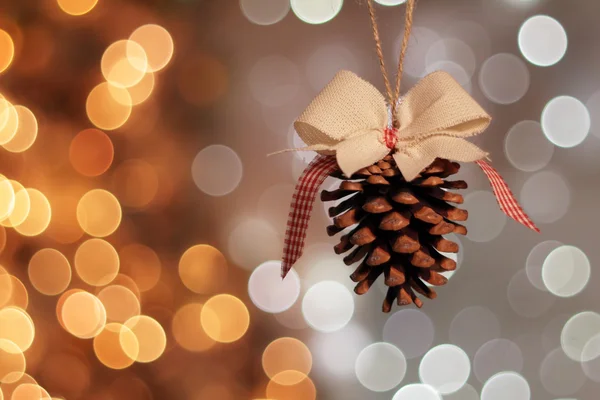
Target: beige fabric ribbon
<point>348,118</point>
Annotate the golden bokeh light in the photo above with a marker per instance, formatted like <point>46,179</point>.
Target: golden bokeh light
<point>113,345</point>
<point>7,50</point>
<point>187,329</point>
<point>39,215</point>
<point>2,243</point>
<point>141,264</point>
<point>99,213</point>
<point>120,303</point>
<point>203,80</point>
<point>30,391</point>
<point>9,121</point>
<point>96,262</point>
<point>19,296</point>
<point>9,388</point>
<point>124,64</point>
<point>158,44</point>
<point>303,389</point>
<point>91,152</point>
<point>12,362</point>
<point>26,132</point>
<point>286,354</point>
<point>7,197</point>
<point>150,336</point>
<point>141,91</point>
<point>136,183</point>
<point>64,227</point>
<point>83,315</point>
<point>203,269</point>
<point>77,7</point>
<point>16,326</point>
<point>108,107</point>
<point>60,302</point>
<point>49,272</point>
<point>225,318</point>
<point>6,286</point>
<point>125,281</point>
<point>21,208</point>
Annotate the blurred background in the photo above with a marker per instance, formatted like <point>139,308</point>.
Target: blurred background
<point>142,223</point>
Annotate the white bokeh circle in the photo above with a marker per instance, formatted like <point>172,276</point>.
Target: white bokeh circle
<point>265,12</point>
<point>390,2</point>
<point>446,368</point>
<point>525,299</point>
<point>577,332</point>
<point>466,392</point>
<point>380,367</point>
<point>591,352</point>
<point>546,197</point>
<point>496,356</point>
<point>506,385</point>
<point>453,50</point>
<point>472,327</point>
<point>593,106</point>
<point>542,40</point>
<point>327,306</point>
<point>504,78</point>
<point>316,11</point>
<point>566,271</point>
<point>566,121</point>
<point>561,375</point>
<point>217,170</point>
<point>417,391</point>
<point>535,261</point>
<point>269,292</point>
<point>526,146</point>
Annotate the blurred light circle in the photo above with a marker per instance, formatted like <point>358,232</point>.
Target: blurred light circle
<point>7,197</point>
<point>83,315</point>
<point>286,354</point>
<point>546,197</point>
<point>136,183</point>
<point>472,327</point>
<point>149,334</point>
<point>6,287</point>
<point>473,34</point>
<point>593,106</point>
<point>141,91</point>
<point>304,389</point>
<point>30,391</point>
<point>16,326</point>
<point>19,297</point>
<point>327,306</point>
<point>187,329</point>
<point>273,203</point>
<point>566,271</point>
<point>390,2</point>
<point>39,215</point>
<point>96,262</point>
<point>108,107</point>
<point>141,264</point>
<point>120,303</point>
<point>417,391</point>
<point>446,368</point>
<point>551,332</point>
<point>124,63</point>
<point>380,367</point>
<point>496,356</point>
<point>577,332</point>
<point>203,269</point>
<point>526,146</point>
<point>566,121</point>
<point>525,299</point>
<point>110,344</point>
<point>326,61</point>
<point>467,392</point>
<point>252,241</point>
<point>91,152</point>
<point>292,317</point>
<point>486,220</point>
<point>412,331</point>
<point>316,11</point>
<point>455,51</point>
<point>12,362</point>
<point>506,385</point>
<point>22,203</point>
<point>7,50</point>
<point>455,70</point>
<point>9,121</point>
<point>26,132</point>
<point>49,272</point>
<point>336,352</point>
<point>561,375</point>
<point>269,292</point>
<point>225,318</point>
<point>99,213</point>
<point>203,79</point>
<point>504,78</point>
<point>420,41</point>
<point>275,80</point>
<point>591,353</point>
<point>542,40</point>
<point>157,44</point>
<point>265,12</point>
<point>77,7</point>
<point>217,170</point>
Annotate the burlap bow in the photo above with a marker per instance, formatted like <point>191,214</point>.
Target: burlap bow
<point>349,118</point>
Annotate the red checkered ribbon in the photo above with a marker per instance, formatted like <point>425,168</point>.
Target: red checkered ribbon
<point>318,170</point>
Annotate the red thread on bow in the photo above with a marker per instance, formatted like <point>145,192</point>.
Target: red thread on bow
<point>390,138</point>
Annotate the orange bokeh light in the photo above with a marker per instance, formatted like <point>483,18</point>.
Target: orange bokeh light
<point>77,7</point>
<point>304,389</point>
<point>113,345</point>
<point>136,183</point>
<point>158,44</point>
<point>203,269</point>
<point>96,262</point>
<point>225,318</point>
<point>286,354</point>
<point>7,50</point>
<point>26,132</point>
<point>83,314</point>
<point>108,107</point>
<point>120,303</point>
<point>39,215</point>
<point>99,213</point>
<point>91,152</point>
<point>49,272</point>
<point>188,331</point>
<point>141,264</point>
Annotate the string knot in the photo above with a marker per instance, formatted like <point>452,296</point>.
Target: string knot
<point>390,137</point>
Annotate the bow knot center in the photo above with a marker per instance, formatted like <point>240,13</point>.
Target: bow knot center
<point>390,137</point>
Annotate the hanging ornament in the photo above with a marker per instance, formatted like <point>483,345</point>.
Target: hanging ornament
<point>397,202</point>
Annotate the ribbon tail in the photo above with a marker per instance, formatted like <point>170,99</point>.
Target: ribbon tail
<point>301,207</point>
<point>506,200</point>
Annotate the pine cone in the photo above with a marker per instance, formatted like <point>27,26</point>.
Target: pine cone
<point>395,227</point>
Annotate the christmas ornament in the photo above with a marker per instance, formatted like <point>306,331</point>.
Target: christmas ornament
<point>393,163</point>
